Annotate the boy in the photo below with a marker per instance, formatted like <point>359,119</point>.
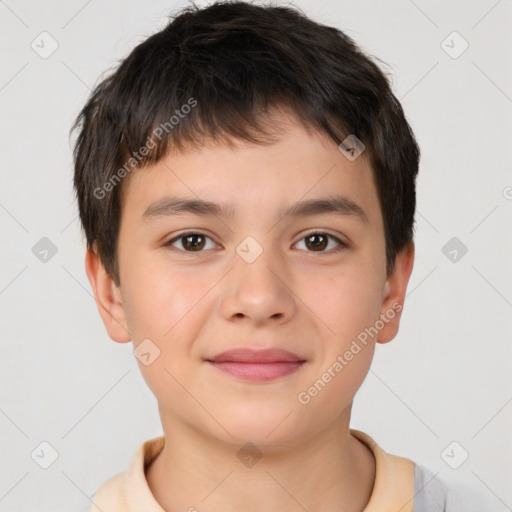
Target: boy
<point>246,184</point>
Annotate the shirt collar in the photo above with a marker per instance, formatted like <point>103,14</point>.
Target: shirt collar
<point>393,489</point>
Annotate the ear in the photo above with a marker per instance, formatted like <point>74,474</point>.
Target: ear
<point>108,298</point>
<point>394,294</point>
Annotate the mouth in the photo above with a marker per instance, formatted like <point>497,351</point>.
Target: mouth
<point>257,365</point>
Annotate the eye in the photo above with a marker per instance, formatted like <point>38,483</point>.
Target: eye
<point>196,242</point>
<point>319,240</point>
<point>191,242</point>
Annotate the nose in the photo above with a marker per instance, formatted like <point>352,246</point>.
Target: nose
<point>259,292</point>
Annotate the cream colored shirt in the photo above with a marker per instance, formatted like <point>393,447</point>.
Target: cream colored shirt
<point>129,491</point>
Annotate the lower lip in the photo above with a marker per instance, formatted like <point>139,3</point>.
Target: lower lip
<point>258,371</point>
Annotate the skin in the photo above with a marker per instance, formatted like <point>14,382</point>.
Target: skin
<point>193,305</point>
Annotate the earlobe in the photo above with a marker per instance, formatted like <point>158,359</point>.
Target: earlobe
<point>108,298</point>
<point>394,294</point>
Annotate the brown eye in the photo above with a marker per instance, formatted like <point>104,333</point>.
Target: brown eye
<point>193,242</point>
<point>318,242</point>
<point>189,242</point>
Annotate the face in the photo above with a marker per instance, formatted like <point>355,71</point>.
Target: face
<point>273,269</point>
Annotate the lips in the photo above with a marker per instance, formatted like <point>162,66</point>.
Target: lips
<point>257,365</point>
<point>245,355</point>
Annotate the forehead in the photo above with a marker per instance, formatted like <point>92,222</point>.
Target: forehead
<point>256,179</point>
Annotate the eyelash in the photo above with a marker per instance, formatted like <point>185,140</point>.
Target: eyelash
<point>342,245</point>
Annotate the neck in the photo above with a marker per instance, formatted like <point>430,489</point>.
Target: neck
<point>331,470</point>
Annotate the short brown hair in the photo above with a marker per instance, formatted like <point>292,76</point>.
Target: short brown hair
<point>228,64</point>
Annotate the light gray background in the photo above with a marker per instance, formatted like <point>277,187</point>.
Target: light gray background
<point>445,378</point>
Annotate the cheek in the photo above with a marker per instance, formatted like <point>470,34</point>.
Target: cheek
<point>169,308</point>
<point>162,300</point>
<point>331,391</point>
<point>166,308</point>
<point>347,303</point>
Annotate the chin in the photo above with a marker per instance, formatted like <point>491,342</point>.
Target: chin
<point>269,429</point>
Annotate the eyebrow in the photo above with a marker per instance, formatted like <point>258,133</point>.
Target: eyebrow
<point>169,206</point>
